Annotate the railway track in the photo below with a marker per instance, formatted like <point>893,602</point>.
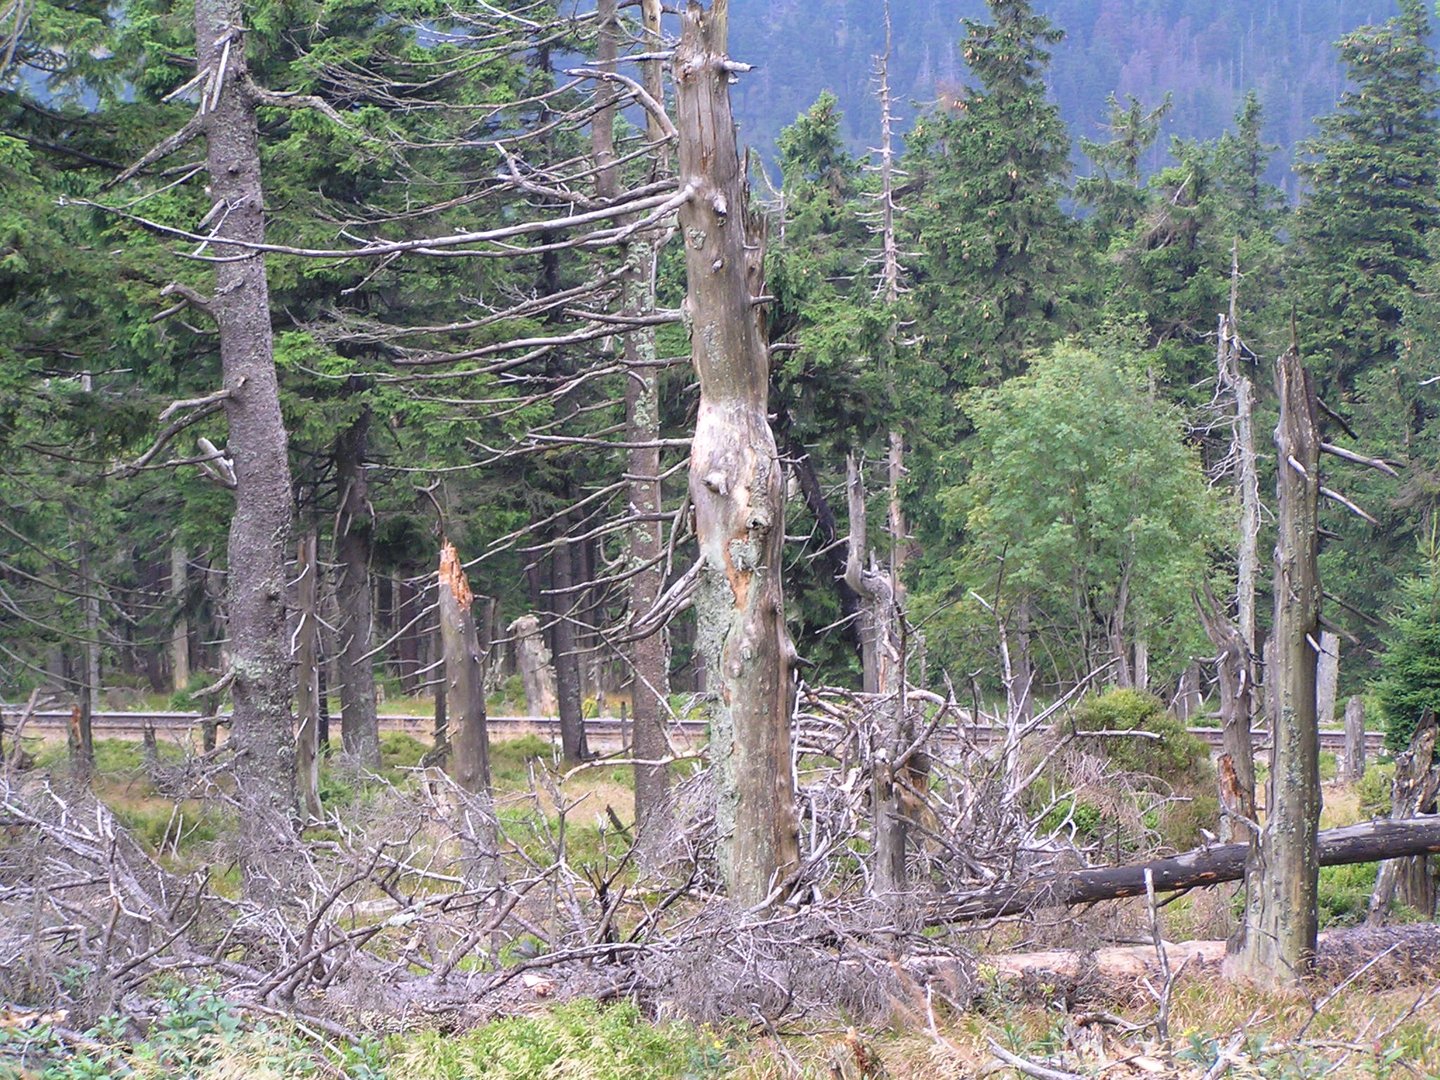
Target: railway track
<point>606,733</point>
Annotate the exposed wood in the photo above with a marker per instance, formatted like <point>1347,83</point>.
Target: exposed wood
<point>307,676</point>
<point>1281,913</point>
<point>464,676</point>
<point>1411,792</point>
<point>735,482</point>
<point>1366,842</point>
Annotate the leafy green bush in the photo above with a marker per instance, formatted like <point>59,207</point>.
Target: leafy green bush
<point>1345,893</point>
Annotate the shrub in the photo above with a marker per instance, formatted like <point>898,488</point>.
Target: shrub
<point>1375,788</point>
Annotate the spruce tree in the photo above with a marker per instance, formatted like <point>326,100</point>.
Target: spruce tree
<point>1372,172</point>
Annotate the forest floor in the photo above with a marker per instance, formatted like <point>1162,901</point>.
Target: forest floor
<point>1085,994</point>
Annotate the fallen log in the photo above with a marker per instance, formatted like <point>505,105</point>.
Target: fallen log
<point>1369,841</point>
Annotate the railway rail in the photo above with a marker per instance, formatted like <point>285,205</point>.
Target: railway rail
<point>603,733</point>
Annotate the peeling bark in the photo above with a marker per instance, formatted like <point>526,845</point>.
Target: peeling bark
<point>735,482</point>
<point>1236,768</point>
<point>1412,792</point>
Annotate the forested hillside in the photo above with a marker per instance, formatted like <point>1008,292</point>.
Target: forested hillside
<point>1207,53</point>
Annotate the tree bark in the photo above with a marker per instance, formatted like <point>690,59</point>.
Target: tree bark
<point>1354,764</point>
<point>1281,914</point>
<point>536,671</point>
<point>261,729</point>
<point>735,482</point>
<point>649,655</point>
<point>359,714</point>
<point>82,738</point>
<point>1366,842</point>
<point>407,648</point>
<point>1235,770</point>
<point>464,676</point>
<point>1411,792</point>
<point>180,628</point>
<point>1327,678</point>
<point>307,671</point>
<point>564,604</point>
<point>465,698</point>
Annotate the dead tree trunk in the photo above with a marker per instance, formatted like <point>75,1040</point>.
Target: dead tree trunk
<point>261,730</point>
<point>1411,792</point>
<point>735,483</point>
<point>307,672</point>
<point>1354,763</point>
<point>180,628</point>
<point>1281,914</point>
<point>878,631</point>
<point>359,720</point>
<point>464,677</point>
<point>1235,770</point>
<point>565,593</point>
<point>1366,842</point>
<point>465,697</point>
<point>1327,678</point>
<point>407,648</point>
<point>649,653</point>
<point>533,659</point>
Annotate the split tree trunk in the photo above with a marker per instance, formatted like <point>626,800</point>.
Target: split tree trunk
<point>359,719</point>
<point>465,701</point>
<point>1281,913</point>
<point>261,729</point>
<point>464,676</point>
<point>180,628</point>
<point>735,482</point>
<point>307,673</point>
<point>1366,842</point>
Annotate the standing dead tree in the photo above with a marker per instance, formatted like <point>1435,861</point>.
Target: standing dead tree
<point>1282,881</point>
<point>735,482</point>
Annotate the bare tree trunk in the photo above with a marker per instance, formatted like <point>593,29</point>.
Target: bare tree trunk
<point>464,676</point>
<point>565,604</point>
<point>359,720</point>
<point>82,738</point>
<point>882,649</point>
<point>407,648</point>
<point>261,730</point>
<point>465,694</point>
<point>735,482</point>
<point>307,670</point>
<point>1281,914</point>
<point>649,655</point>
<point>1142,664</point>
<point>1327,678</point>
<point>536,671</point>
<point>1354,763</point>
<point>1411,793</point>
<point>180,629</point>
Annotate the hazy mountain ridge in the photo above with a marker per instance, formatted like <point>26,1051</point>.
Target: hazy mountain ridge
<point>1207,52</point>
